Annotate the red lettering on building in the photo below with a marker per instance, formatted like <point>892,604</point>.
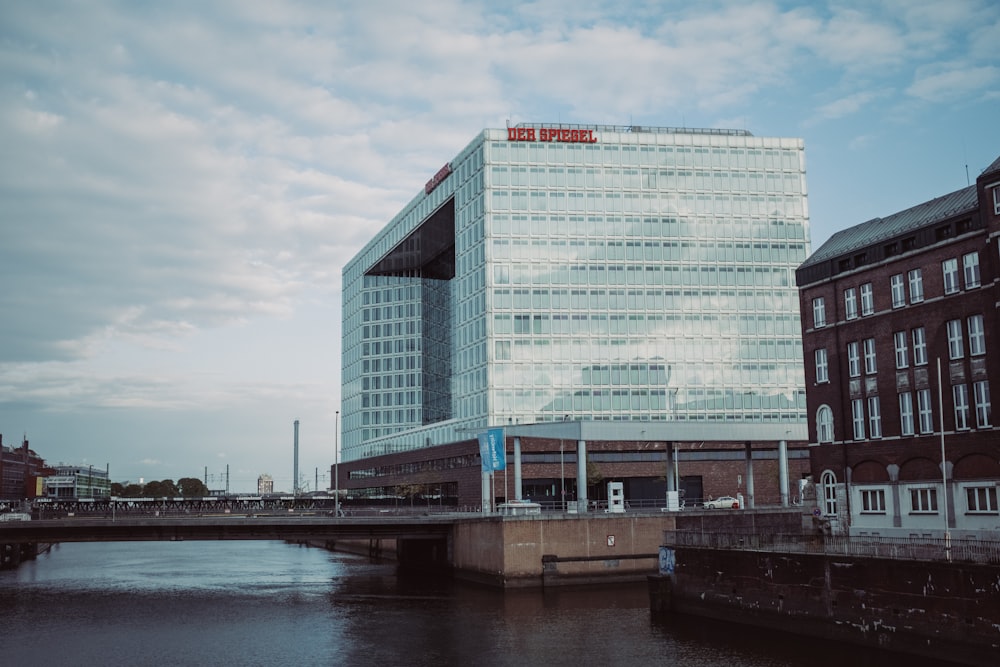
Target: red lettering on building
<point>435,181</point>
<point>551,134</point>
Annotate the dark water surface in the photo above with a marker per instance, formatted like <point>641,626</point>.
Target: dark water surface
<point>271,603</point>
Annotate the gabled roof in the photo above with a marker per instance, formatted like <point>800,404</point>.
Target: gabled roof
<point>897,224</point>
<point>993,168</point>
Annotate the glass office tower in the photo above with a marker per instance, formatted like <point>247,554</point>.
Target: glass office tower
<point>569,272</point>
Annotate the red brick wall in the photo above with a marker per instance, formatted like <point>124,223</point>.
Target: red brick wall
<point>719,474</point>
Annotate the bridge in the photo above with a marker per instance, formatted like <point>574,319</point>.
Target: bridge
<point>552,548</point>
<point>229,527</point>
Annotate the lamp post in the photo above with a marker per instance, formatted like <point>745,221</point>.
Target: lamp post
<point>944,466</point>
<point>336,463</point>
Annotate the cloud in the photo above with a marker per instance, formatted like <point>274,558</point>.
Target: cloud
<point>175,169</point>
<point>949,81</point>
<point>845,106</point>
<point>860,142</point>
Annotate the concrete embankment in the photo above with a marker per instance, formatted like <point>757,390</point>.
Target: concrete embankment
<point>534,551</point>
<point>944,610</point>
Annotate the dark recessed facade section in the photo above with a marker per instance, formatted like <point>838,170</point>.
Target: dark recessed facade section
<point>428,252</point>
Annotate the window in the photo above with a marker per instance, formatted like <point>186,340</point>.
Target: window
<point>870,366</point>
<point>982,499</point>
<point>977,339</point>
<point>867,299</point>
<point>874,417</point>
<point>898,291</point>
<point>824,424</point>
<point>821,366</point>
<point>873,501</point>
<point>996,200</point>
<point>981,396</point>
<point>853,360</point>
<point>919,347</point>
<point>970,269</point>
<point>858,418</point>
<point>902,351</point>
<point>949,269</point>
<point>850,303</point>
<point>923,501</point>
<point>924,411</point>
<point>916,277</point>
<point>819,312</point>
<point>960,393</point>
<point>906,413</point>
<point>955,348</point>
<point>828,484</point>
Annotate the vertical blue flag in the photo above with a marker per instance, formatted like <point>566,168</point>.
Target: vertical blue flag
<point>492,450</point>
<point>498,450</point>
<point>484,452</point>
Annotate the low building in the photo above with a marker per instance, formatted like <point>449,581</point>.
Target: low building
<point>21,472</point>
<point>265,484</point>
<point>77,482</point>
<point>902,355</point>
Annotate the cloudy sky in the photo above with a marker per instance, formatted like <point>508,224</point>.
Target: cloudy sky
<point>181,183</point>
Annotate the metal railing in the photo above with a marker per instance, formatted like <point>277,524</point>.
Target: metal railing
<point>897,548</point>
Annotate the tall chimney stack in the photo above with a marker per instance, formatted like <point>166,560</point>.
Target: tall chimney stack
<point>295,471</point>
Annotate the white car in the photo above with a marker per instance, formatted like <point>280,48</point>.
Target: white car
<point>722,503</point>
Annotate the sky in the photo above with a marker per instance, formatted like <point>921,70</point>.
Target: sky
<point>181,183</point>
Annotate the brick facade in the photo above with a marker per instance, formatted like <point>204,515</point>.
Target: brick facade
<point>933,275</point>
<point>719,467</point>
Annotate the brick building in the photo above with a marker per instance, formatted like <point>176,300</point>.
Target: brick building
<point>543,466</point>
<point>21,470</point>
<point>902,356</point>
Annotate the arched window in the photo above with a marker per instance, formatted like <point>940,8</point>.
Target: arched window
<point>824,424</point>
<point>828,489</point>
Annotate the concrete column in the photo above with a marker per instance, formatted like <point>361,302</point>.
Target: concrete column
<point>671,479</point>
<point>581,476</point>
<point>783,471</point>
<point>749,457</point>
<point>487,495</point>
<point>517,469</point>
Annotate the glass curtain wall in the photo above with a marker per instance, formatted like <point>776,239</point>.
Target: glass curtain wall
<point>647,276</point>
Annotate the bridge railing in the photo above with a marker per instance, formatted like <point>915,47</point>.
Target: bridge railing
<point>899,548</point>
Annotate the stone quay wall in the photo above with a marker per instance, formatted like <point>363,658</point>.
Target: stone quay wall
<point>944,610</point>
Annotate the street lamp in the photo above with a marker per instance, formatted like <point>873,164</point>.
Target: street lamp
<point>944,466</point>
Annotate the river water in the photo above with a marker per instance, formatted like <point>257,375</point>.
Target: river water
<point>271,603</point>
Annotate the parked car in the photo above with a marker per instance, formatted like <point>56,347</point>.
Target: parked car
<point>722,503</point>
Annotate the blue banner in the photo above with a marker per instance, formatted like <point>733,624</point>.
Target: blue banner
<point>492,450</point>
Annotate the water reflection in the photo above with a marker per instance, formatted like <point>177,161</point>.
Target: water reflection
<point>268,603</point>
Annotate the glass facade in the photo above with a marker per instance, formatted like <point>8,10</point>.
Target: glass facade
<point>639,274</point>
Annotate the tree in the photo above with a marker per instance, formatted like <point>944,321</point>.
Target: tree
<point>594,478</point>
<point>162,489</point>
<point>117,489</point>
<point>594,474</point>
<point>132,491</point>
<point>192,487</point>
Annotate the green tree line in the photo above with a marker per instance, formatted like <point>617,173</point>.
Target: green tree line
<point>188,487</point>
